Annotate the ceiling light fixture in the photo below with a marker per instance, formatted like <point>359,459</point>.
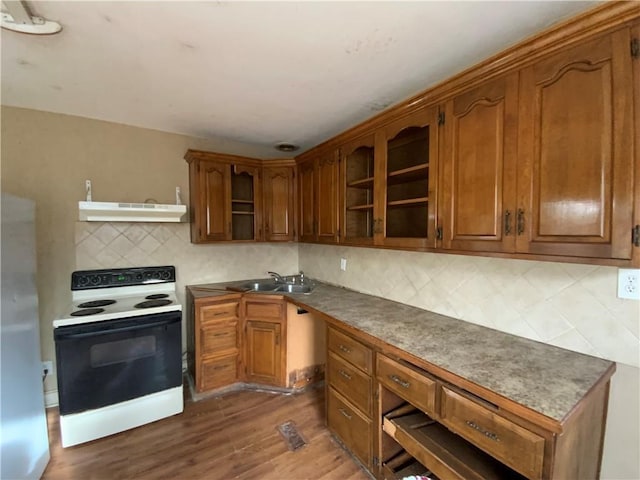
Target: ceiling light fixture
<point>15,16</point>
<point>286,147</point>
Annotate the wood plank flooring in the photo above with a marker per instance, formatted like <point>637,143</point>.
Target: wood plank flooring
<point>230,437</point>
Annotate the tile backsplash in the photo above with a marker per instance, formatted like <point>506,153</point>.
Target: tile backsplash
<point>123,244</point>
<point>572,306</point>
<point>569,305</point>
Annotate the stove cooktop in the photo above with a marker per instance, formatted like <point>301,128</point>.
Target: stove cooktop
<point>120,293</point>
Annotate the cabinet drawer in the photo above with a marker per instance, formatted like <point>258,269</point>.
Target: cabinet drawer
<point>218,372</point>
<point>350,382</point>
<point>263,310</point>
<point>218,311</point>
<point>350,426</point>
<point>219,336</point>
<point>351,350</point>
<point>411,385</point>
<point>514,445</point>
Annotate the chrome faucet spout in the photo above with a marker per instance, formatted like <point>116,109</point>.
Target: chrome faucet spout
<point>277,276</point>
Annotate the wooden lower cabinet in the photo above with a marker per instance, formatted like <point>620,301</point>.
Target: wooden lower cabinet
<point>349,394</point>
<point>213,345</point>
<point>351,426</point>
<point>429,426</point>
<point>265,340</point>
<point>399,419</point>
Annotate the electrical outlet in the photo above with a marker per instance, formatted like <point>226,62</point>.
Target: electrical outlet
<point>47,367</point>
<point>629,283</point>
<point>343,264</point>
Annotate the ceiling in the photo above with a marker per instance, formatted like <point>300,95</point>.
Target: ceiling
<point>254,72</point>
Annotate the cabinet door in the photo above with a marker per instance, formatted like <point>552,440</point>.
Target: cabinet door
<point>306,199</point>
<point>246,222</point>
<point>478,177</point>
<point>407,176</point>
<point>327,197</point>
<point>213,201</point>
<point>357,167</point>
<point>575,182</point>
<point>263,352</point>
<point>278,204</point>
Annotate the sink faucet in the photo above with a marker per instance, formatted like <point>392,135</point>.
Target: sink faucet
<point>277,277</point>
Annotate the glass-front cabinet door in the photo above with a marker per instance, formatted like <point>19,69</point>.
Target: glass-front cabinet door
<point>408,162</point>
<point>358,191</point>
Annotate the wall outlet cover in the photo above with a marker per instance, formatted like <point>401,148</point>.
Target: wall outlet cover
<point>47,366</point>
<point>629,283</point>
<point>343,264</point>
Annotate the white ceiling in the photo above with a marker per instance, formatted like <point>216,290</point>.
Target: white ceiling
<point>255,72</point>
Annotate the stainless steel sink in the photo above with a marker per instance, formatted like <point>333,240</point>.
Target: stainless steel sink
<point>261,286</point>
<point>288,288</point>
<point>270,286</point>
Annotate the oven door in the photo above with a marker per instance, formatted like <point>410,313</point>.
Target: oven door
<point>103,363</point>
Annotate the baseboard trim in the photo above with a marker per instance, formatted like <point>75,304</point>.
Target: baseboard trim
<point>51,398</point>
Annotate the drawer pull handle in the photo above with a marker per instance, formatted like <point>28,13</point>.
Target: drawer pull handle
<point>344,349</point>
<point>344,374</point>
<point>486,433</point>
<point>399,381</point>
<point>221,367</point>
<point>221,334</point>
<point>344,413</point>
<point>217,314</point>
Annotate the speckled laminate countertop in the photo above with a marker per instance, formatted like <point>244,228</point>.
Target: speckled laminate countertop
<point>547,379</point>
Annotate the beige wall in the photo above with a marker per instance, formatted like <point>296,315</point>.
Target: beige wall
<point>47,157</point>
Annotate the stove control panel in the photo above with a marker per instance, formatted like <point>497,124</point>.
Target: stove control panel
<point>121,277</point>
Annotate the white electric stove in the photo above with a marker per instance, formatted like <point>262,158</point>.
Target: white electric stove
<point>118,352</point>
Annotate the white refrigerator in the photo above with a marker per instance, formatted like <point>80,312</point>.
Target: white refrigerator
<point>25,441</point>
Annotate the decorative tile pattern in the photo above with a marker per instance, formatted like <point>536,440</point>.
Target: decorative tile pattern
<point>122,244</point>
<point>568,305</point>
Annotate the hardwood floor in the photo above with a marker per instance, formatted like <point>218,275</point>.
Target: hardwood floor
<point>233,436</point>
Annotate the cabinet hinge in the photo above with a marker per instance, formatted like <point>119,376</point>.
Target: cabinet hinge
<point>439,233</point>
<point>635,236</point>
<point>376,462</point>
<point>635,48</point>
<point>338,233</point>
<point>441,118</point>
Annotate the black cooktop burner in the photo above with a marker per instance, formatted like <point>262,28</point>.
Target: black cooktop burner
<point>87,311</point>
<point>152,303</point>
<point>96,303</point>
<point>156,296</point>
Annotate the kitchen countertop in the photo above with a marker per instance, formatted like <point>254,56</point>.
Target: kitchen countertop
<point>547,379</point>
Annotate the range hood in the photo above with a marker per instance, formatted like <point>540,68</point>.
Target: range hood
<point>130,212</point>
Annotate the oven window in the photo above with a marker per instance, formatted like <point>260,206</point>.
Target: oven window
<point>121,351</point>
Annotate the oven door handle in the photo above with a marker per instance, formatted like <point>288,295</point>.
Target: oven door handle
<point>128,328</point>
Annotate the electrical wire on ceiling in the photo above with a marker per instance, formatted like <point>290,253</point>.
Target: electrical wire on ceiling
<point>17,17</point>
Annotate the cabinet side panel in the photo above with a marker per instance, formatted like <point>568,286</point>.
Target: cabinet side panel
<point>579,448</point>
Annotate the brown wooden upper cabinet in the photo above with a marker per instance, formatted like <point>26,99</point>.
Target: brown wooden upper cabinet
<point>575,170</point>
<point>279,203</point>
<point>388,181</point>
<point>479,163</point>
<point>226,197</point>
<point>357,181</point>
<point>540,161</point>
<point>318,198</point>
